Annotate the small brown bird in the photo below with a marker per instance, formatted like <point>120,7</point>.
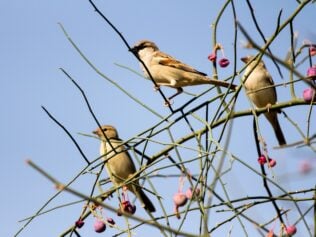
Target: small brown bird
<point>258,79</point>
<point>167,71</point>
<point>120,166</point>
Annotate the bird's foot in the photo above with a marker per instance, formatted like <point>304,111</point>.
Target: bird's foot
<point>179,91</point>
<point>168,103</point>
<point>156,88</point>
<point>268,106</point>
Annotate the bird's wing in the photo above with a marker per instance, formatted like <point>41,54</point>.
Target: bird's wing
<point>166,60</point>
<point>268,75</point>
<point>271,82</point>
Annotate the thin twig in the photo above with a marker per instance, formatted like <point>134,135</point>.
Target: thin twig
<point>89,107</point>
<point>252,12</point>
<point>129,48</point>
<point>68,133</point>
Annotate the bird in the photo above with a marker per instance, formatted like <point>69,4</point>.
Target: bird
<point>255,78</point>
<point>168,71</point>
<point>119,164</point>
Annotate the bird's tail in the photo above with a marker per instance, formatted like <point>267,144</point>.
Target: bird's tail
<point>222,83</point>
<point>273,119</point>
<point>145,201</point>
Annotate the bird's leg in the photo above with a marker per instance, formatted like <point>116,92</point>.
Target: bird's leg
<point>169,101</point>
<point>179,91</point>
<point>156,88</point>
<point>268,106</point>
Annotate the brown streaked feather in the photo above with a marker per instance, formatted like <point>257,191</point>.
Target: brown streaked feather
<point>169,61</point>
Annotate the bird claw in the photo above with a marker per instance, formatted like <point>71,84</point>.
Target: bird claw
<point>156,88</point>
<point>268,107</point>
<point>168,103</point>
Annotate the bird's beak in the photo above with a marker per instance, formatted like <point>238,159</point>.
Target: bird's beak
<point>95,132</point>
<point>245,59</point>
<point>133,50</point>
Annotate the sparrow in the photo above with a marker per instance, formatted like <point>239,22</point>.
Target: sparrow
<point>257,79</point>
<point>119,164</point>
<point>168,71</point>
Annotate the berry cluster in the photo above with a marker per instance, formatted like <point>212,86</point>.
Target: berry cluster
<point>223,62</point>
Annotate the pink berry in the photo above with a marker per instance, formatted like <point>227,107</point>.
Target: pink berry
<point>305,167</point>
<point>110,221</point>
<point>190,194</point>
<point>99,226</point>
<point>180,199</point>
<point>272,162</point>
<point>290,230</point>
<point>312,50</point>
<point>311,72</point>
<point>79,223</point>
<point>308,94</point>
<point>212,57</point>
<point>224,62</point>
<point>262,160</point>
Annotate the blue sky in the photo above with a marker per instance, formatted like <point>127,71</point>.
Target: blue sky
<point>33,48</point>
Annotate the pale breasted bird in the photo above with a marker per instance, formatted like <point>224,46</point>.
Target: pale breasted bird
<point>257,77</point>
<point>120,165</point>
<point>168,71</point>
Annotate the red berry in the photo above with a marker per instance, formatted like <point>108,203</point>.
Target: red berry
<point>99,226</point>
<point>128,207</point>
<point>212,57</point>
<point>131,209</point>
<point>290,230</point>
<point>312,50</point>
<point>125,203</point>
<point>180,199</point>
<point>308,94</point>
<point>262,160</point>
<point>272,162</point>
<point>224,62</point>
<point>79,223</point>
